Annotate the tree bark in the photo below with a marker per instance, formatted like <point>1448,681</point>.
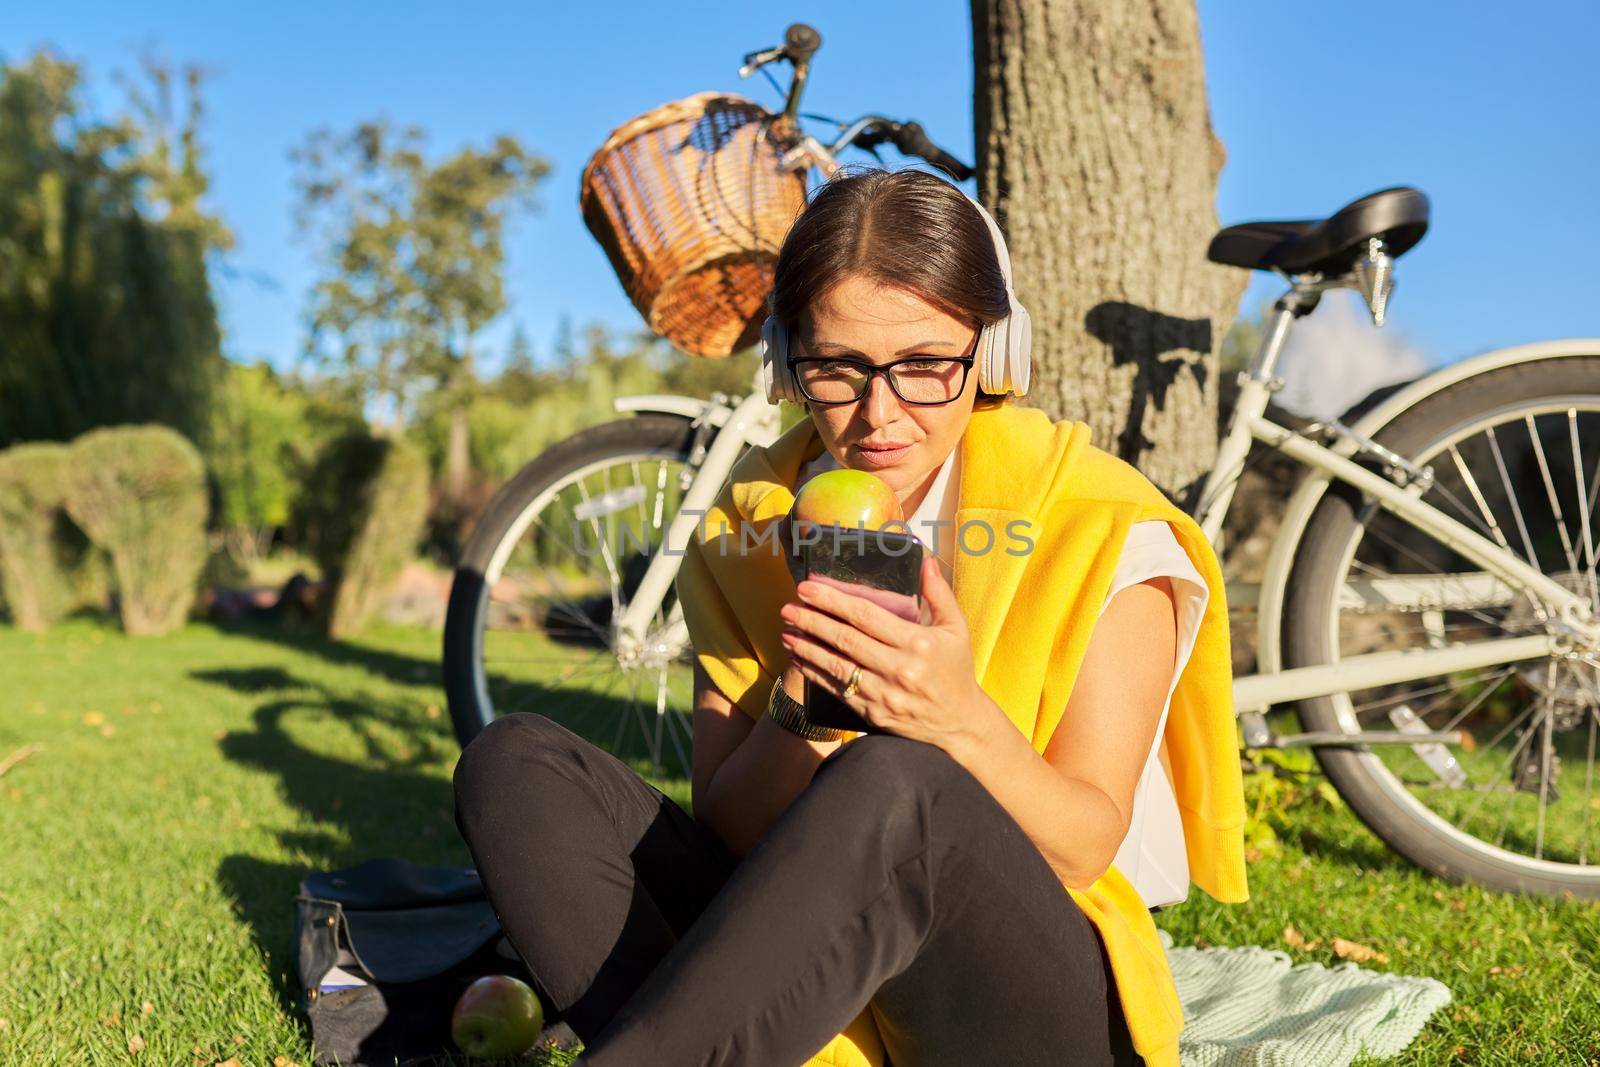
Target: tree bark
<point>1096,154</point>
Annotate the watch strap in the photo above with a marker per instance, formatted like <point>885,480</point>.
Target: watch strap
<point>791,715</point>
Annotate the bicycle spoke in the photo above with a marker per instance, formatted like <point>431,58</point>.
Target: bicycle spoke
<point>1447,688</point>
<point>661,718</point>
<point>605,550</point>
<point>1505,767</point>
<point>1477,701</point>
<point>1583,501</point>
<point>1550,492</point>
<point>1511,497</point>
<point>1588,788</point>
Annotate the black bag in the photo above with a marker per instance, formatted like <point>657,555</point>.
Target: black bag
<point>383,950</point>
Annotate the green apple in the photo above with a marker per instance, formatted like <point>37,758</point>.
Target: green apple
<point>497,1016</point>
<point>848,497</point>
<point>845,497</point>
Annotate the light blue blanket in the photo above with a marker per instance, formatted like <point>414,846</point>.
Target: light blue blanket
<point>1255,1007</point>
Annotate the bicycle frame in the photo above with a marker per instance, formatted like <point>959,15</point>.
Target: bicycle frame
<point>1401,494</point>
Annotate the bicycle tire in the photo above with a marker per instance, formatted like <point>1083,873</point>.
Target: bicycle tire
<point>465,681</point>
<point>1309,621</point>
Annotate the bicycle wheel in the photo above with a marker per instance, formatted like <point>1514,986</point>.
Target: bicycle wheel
<point>555,559</point>
<point>1516,455</point>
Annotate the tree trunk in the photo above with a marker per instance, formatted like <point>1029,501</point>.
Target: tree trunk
<point>1096,154</point>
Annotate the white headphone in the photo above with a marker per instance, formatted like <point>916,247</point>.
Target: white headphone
<point>1003,363</point>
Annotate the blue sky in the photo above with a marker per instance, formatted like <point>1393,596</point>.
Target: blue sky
<point>1488,108</point>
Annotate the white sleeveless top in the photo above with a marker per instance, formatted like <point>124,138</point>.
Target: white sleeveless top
<point>1152,855</point>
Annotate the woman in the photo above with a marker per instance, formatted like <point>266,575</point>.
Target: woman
<point>974,883</point>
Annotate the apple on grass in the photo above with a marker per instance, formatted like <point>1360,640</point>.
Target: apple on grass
<point>497,1016</point>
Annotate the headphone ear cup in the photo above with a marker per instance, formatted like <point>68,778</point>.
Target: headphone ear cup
<point>1020,348</point>
<point>776,373</point>
<point>990,366</point>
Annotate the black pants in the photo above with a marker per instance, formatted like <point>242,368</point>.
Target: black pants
<point>895,878</point>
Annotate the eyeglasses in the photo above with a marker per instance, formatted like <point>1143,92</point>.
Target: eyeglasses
<point>920,380</point>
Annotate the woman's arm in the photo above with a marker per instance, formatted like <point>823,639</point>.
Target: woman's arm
<point>746,774</point>
<point>1075,801</point>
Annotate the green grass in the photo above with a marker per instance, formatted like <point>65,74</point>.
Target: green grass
<point>186,784</point>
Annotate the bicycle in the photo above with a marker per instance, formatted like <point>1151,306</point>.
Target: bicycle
<point>1395,594</point>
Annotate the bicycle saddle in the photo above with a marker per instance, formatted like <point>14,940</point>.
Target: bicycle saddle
<point>1327,246</point>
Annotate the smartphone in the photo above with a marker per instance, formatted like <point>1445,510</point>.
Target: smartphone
<point>882,566</point>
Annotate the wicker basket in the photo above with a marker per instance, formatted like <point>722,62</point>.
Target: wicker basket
<point>690,204</point>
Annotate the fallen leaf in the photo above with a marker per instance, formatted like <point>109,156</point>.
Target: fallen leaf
<point>93,718</point>
<point>230,1062</point>
<point>146,1008</point>
<point>1351,950</point>
<point>107,730</point>
<point>280,1061</point>
<point>1295,939</point>
<point>238,1039</point>
<point>433,711</point>
<point>135,1043</point>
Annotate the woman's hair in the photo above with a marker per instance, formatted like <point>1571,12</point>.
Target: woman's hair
<point>907,229</point>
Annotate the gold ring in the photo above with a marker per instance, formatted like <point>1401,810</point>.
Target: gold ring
<point>854,683</point>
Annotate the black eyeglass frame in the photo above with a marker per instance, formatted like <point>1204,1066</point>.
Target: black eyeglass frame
<point>966,362</point>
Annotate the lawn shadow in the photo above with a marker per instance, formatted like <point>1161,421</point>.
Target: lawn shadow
<point>304,638</point>
<point>387,803</point>
<point>386,795</point>
<point>620,727</point>
<point>391,800</point>
<point>1352,845</point>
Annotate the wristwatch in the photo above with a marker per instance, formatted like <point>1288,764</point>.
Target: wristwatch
<point>791,715</point>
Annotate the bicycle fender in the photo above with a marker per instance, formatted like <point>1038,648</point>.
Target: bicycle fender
<point>669,404</point>
<point>1280,558</point>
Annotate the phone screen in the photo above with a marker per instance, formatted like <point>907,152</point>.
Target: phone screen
<point>884,567</point>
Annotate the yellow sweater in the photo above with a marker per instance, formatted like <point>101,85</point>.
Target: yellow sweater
<point>1030,616</point>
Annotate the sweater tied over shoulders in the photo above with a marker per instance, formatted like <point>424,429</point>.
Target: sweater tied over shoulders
<point>1040,521</point>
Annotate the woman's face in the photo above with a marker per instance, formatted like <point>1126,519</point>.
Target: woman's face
<point>863,320</point>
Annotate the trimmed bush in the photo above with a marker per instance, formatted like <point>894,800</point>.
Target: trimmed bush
<point>33,572</point>
<point>366,504</point>
<point>139,492</point>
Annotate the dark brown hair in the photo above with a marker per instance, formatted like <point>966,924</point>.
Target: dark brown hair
<point>907,229</point>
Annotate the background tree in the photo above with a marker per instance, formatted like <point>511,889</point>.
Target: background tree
<point>267,429</point>
<point>106,312</point>
<point>1096,153</point>
<point>414,265</point>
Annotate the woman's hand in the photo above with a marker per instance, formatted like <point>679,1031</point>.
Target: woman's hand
<point>917,681</point>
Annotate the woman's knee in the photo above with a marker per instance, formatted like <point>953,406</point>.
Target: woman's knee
<point>508,749</point>
<point>891,763</point>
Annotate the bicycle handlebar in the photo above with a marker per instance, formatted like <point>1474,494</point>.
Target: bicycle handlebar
<point>909,137</point>
<point>800,43</point>
<point>913,140</point>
